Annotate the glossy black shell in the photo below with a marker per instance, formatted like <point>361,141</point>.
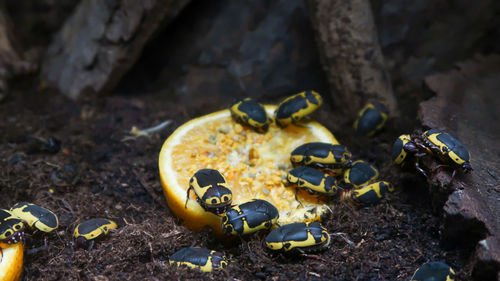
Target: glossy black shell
<point>296,232</point>
<point>371,119</point>
<point>43,215</point>
<point>255,212</point>
<point>397,147</point>
<point>371,197</point>
<point>435,271</point>
<point>197,256</point>
<point>320,150</point>
<point>90,225</point>
<point>208,177</point>
<point>314,177</point>
<point>452,143</point>
<point>295,104</point>
<point>253,109</point>
<point>360,173</point>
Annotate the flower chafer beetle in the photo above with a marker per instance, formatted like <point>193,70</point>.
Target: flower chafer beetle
<point>435,271</point>
<point>313,181</point>
<point>204,259</point>
<point>368,195</point>
<point>448,148</point>
<point>296,107</point>
<point>212,191</point>
<point>432,142</point>
<point>321,155</point>
<point>371,119</point>
<point>250,112</point>
<point>11,228</point>
<point>300,236</point>
<point>249,217</point>
<point>360,173</point>
<point>35,216</point>
<point>92,229</point>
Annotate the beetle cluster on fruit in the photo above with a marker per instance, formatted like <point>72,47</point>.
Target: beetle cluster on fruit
<point>291,110</point>
<point>323,162</point>
<point>320,168</point>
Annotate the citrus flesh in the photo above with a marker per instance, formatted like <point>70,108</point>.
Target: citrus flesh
<point>11,261</point>
<point>254,164</point>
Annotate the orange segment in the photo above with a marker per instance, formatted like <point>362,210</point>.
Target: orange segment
<point>11,261</point>
<point>254,164</point>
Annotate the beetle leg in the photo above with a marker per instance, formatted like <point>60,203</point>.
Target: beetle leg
<point>300,124</point>
<point>417,166</point>
<point>452,177</point>
<point>91,245</point>
<point>296,198</point>
<point>420,154</point>
<point>439,167</point>
<point>250,253</point>
<point>304,254</point>
<point>187,196</point>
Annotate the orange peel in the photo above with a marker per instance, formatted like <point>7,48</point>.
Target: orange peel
<point>254,164</point>
<point>11,261</point>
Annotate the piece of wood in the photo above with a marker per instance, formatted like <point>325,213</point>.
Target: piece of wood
<point>466,106</point>
<point>101,41</point>
<point>352,59</point>
<point>11,61</point>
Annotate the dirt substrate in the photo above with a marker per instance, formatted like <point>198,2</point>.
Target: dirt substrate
<point>95,174</point>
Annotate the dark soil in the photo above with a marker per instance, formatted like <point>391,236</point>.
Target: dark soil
<point>119,180</point>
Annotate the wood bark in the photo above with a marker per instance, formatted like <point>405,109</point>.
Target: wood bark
<point>466,106</point>
<point>11,61</point>
<point>101,41</point>
<point>351,55</point>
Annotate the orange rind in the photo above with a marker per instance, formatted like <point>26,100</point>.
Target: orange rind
<point>11,261</point>
<point>254,164</point>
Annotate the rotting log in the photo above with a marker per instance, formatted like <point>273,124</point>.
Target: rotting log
<point>101,41</point>
<point>466,105</point>
<point>11,61</point>
<point>350,52</point>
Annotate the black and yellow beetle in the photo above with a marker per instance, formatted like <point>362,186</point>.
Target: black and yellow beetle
<point>250,112</point>
<point>299,236</point>
<point>400,149</point>
<point>434,271</point>
<point>371,119</point>
<point>249,217</point>
<point>448,149</point>
<point>35,216</point>
<point>321,155</point>
<point>432,142</point>
<point>405,150</point>
<point>11,228</point>
<point>91,229</point>
<point>212,191</point>
<point>204,259</point>
<point>313,181</point>
<point>360,173</point>
<point>368,195</point>
<point>296,107</point>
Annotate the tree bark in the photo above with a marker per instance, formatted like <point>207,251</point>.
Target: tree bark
<point>351,55</point>
<point>11,62</point>
<point>101,41</point>
<point>466,106</point>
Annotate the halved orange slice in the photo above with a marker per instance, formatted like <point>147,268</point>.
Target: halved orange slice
<point>254,164</point>
<point>11,261</point>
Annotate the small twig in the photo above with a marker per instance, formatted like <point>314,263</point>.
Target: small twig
<point>136,132</point>
<point>341,235</point>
